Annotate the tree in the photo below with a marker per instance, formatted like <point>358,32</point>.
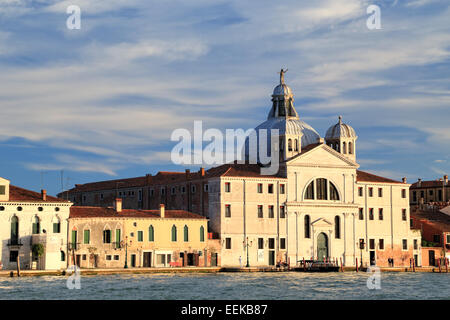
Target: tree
<point>38,250</point>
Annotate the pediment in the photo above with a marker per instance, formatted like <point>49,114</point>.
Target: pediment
<point>321,222</point>
<point>322,155</point>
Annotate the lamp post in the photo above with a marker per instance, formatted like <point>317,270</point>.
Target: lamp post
<point>126,251</point>
<point>247,245</point>
<point>361,246</point>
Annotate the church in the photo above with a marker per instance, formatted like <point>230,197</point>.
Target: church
<point>317,206</point>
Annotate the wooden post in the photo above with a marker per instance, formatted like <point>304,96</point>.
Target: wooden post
<point>304,264</point>
<point>414,265</point>
<point>446,265</point>
<point>356,264</point>
<point>342,266</point>
<point>18,265</point>
<point>439,264</point>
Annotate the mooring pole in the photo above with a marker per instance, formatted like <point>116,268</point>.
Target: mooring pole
<point>342,266</point>
<point>18,266</point>
<point>439,264</point>
<point>356,264</point>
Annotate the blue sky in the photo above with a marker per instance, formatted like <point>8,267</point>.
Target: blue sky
<point>101,102</point>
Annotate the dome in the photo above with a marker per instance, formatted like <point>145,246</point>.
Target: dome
<point>340,130</point>
<point>282,90</point>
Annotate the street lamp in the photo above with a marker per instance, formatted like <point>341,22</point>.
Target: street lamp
<point>247,245</point>
<point>125,243</point>
<point>361,246</point>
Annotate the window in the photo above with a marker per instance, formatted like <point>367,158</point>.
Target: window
<point>227,243</point>
<point>361,214</point>
<point>415,244</point>
<point>116,257</point>
<point>183,189</point>
<point>282,243</point>
<point>439,195</point>
<point>422,194</point>
<point>108,257</point>
<point>436,238</point>
<point>206,187</point>
<point>163,191</point>
<point>350,148</point>
<point>333,192</point>
<point>321,189</point>
<point>36,225</point>
<point>310,191</point>
<point>87,236</point>
<point>404,214</point>
<point>414,196</point>
<point>270,188</point>
<point>307,227</point>
<point>152,192</point>
<point>372,244</point>
<point>2,208</point>
<point>186,233</point>
<point>228,211</point>
<point>227,187</point>
<point>380,214</point>
<point>106,236</point>
<point>448,238</point>
<point>380,192</point>
<point>271,215</point>
<point>260,243</point>
<point>57,227</point>
<point>403,193</point>
<point>260,188</point>
<point>289,144</point>
<point>431,192</point>
<point>381,244</point>
<point>282,212</point>
<point>151,234</point>
<point>260,212</point>
<point>202,234</point>
<point>271,243</point>
<point>371,214</point>
<point>84,257</point>
<point>371,192</point>
<point>282,188</point>
<point>344,147</point>
<point>13,254</point>
<point>174,233</point>
<point>63,256</point>
<point>337,227</point>
<point>295,145</point>
<point>411,223</point>
<point>405,244</point>
<point>2,190</point>
<point>360,191</point>
<point>193,189</point>
<point>140,236</point>
<point>173,190</point>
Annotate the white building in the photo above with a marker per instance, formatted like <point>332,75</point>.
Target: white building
<point>29,218</point>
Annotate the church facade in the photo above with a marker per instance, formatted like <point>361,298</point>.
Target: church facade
<point>317,206</point>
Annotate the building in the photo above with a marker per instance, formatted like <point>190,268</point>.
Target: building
<point>318,205</point>
<point>430,191</point>
<point>106,237</point>
<point>434,225</point>
<point>29,218</point>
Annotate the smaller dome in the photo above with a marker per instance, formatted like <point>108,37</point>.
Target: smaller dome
<point>282,90</point>
<point>340,130</point>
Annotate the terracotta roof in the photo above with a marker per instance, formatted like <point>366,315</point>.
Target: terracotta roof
<point>101,212</point>
<point>20,194</point>
<point>434,218</point>
<point>428,184</point>
<point>238,170</point>
<point>362,176</point>
<point>111,184</point>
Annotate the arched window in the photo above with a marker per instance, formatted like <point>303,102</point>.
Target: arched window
<point>321,189</point>
<point>307,227</point>
<point>334,195</point>
<point>56,225</point>
<point>174,233</point>
<point>295,145</point>
<point>186,233</point>
<point>202,234</point>
<point>36,225</point>
<point>310,191</point>
<point>107,236</point>
<point>344,148</point>
<point>151,233</point>
<point>290,145</point>
<point>350,148</point>
<point>337,227</point>
<point>14,230</point>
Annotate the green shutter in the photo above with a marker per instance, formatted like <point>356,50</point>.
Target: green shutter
<point>140,236</point>
<point>56,227</point>
<point>117,238</point>
<point>74,239</point>
<point>202,234</point>
<point>186,234</point>
<point>174,233</point>
<point>151,234</point>
<point>14,229</point>
<point>87,236</point>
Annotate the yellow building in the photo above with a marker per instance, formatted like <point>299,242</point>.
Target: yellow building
<point>115,238</point>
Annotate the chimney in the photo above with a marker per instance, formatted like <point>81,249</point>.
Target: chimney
<point>446,179</point>
<point>419,182</point>
<point>118,204</point>
<point>404,179</point>
<point>202,171</point>
<point>162,210</point>
<point>44,194</point>
<point>188,172</point>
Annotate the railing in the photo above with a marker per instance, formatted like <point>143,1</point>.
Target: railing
<point>14,242</point>
<point>73,245</point>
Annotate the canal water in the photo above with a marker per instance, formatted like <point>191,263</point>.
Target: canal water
<point>289,285</point>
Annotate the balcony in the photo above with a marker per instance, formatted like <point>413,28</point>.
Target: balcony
<point>14,243</point>
<point>73,246</point>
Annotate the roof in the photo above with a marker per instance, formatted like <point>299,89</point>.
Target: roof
<point>238,170</point>
<point>435,218</point>
<point>111,184</point>
<point>428,184</point>
<point>20,194</point>
<point>362,176</point>
<point>101,212</point>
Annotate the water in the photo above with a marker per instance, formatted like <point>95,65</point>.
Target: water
<point>289,285</point>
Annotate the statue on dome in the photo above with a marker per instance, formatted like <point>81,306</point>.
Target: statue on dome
<point>282,72</point>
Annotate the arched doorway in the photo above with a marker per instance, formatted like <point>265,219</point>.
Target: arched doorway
<point>322,246</point>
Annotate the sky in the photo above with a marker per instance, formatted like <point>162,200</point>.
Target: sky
<point>102,101</point>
